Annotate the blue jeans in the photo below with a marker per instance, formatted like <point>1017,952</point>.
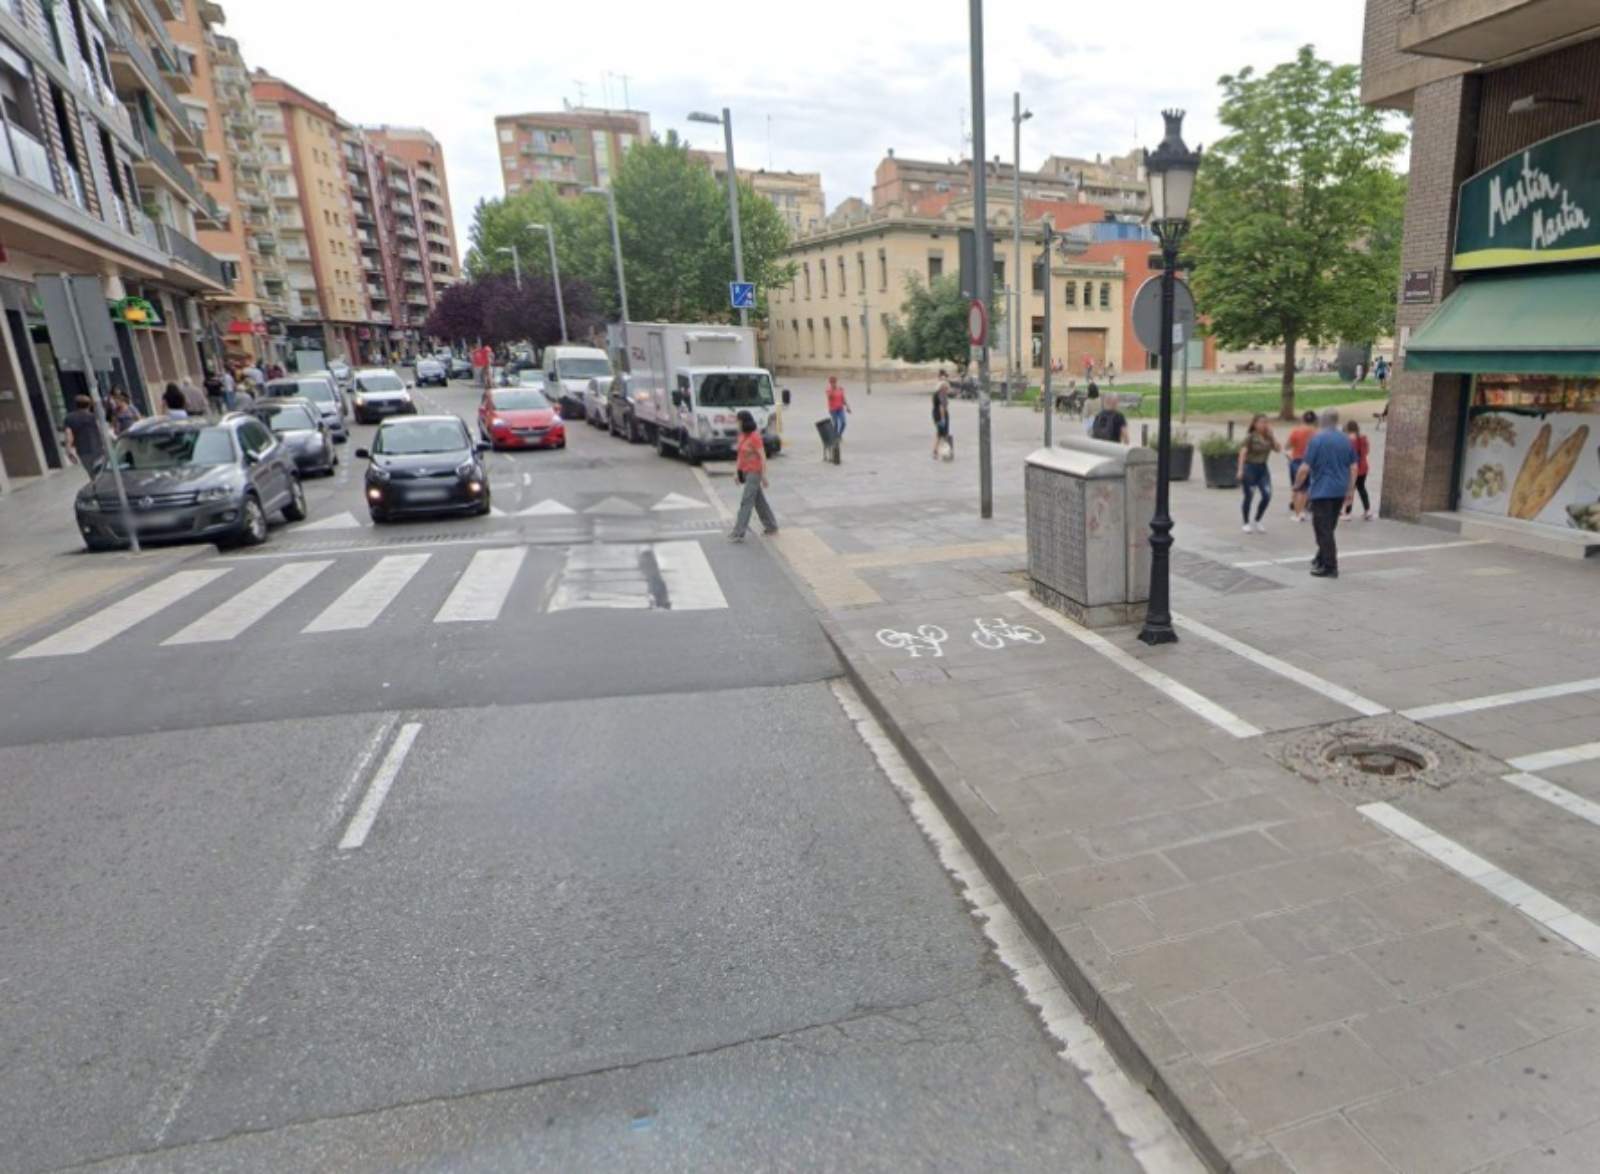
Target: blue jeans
<point>1256,478</point>
<point>838,422</point>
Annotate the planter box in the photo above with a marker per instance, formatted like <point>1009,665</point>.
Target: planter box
<point>1222,472</point>
<point>1182,462</point>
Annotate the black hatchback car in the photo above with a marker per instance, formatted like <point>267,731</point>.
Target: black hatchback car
<point>425,465</point>
<point>299,424</point>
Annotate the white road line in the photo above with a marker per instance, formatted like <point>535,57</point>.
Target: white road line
<point>614,505</point>
<point>691,583</point>
<point>366,598</point>
<point>116,618</point>
<point>1550,759</point>
<point>1159,1148</point>
<point>1223,719</point>
<point>1497,700</point>
<point>678,501</point>
<point>1568,801</point>
<point>608,576</point>
<point>1344,554</point>
<point>344,521</point>
<point>1550,913</point>
<point>361,822</point>
<point>710,491</point>
<point>228,619</point>
<point>1283,668</point>
<point>481,591</point>
<point>549,506</point>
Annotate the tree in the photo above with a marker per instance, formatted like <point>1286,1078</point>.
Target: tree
<point>1296,212</point>
<point>582,234</point>
<point>492,308</point>
<point>933,328</point>
<point>458,314</point>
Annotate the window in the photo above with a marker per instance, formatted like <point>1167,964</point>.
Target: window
<point>1038,276</point>
<point>1105,295</point>
<point>827,338</point>
<point>841,275</point>
<point>794,329</point>
<point>883,269</point>
<point>935,267</point>
<point>254,437</point>
<point>861,271</point>
<point>822,272</point>
<point>507,135</point>
<point>999,273</point>
<point>806,269</point>
<point>1072,293</point>
<point>811,338</point>
<point>844,337</point>
<point>1088,295</point>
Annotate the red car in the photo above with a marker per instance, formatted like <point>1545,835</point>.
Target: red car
<point>520,417</point>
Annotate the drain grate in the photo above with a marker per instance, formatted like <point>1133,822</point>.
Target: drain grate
<point>1389,760</point>
<point>1375,758</point>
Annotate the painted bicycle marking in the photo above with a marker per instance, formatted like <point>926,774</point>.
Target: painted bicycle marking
<point>995,634</point>
<point>929,638</point>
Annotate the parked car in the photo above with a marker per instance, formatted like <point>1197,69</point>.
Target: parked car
<point>190,479</point>
<point>320,390</point>
<point>342,373</point>
<point>432,371</point>
<point>568,370</point>
<point>425,465</point>
<point>379,392</point>
<point>459,368</point>
<point>300,426</point>
<point>596,401</point>
<point>520,417</point>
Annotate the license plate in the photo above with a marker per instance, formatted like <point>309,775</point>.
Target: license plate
<point>428,494</point>
<point>157,520</point>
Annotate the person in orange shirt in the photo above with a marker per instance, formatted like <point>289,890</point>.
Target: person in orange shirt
<point>838,406</point>
<point>751,469</point>
<point>1296,448</point>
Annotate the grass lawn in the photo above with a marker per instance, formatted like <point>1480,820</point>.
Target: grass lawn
<point>1225,400</point>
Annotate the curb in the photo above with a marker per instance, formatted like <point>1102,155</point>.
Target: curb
<point>974,824</point>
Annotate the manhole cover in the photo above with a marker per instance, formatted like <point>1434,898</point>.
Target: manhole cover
<point>1388,760</point>
<point>1375,758</point>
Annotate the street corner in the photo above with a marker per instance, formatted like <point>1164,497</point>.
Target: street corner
<point>53,587</point>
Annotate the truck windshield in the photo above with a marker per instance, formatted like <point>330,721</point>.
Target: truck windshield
<point>740,389</point>
<point>581,368</point>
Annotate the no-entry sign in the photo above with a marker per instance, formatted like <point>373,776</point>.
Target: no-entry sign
<point>977,322</point>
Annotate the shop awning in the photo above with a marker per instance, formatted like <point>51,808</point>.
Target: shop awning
<point>1537,324</point>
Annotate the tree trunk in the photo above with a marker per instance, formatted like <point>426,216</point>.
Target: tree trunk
<point>1287,411</point>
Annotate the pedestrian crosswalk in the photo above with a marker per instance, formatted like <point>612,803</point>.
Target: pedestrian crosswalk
<point>603,506</point>
<point>322,596</point>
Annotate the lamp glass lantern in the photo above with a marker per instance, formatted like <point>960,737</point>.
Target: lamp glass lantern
<point>1170,170</point>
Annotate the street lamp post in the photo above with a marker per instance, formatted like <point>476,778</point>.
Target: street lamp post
<point>1171,168</point>
<point>516,261</point>
<point>726,122</point>
<point>555,276</point>
<point>984,291</point>
<point>1018,117</point>
<point>616,244</point>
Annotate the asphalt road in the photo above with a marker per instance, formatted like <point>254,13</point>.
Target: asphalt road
<point>331,870</point>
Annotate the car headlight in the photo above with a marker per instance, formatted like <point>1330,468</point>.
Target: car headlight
<point>497,422</point>
<point>377,472</point>
<point>89,505</point>
<point>466,469</point>
<point>361,401</point>
<point>219,493</point>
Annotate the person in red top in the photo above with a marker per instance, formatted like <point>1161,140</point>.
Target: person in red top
<point>751,467</point>
<point>838,406</point>
<point>1363,447</point>
<point>1299,438</point>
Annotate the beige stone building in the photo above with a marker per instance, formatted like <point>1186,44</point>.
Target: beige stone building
<point>796,194</point>
<point>850,284</point>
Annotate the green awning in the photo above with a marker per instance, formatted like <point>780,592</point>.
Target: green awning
<point>1532,324</point>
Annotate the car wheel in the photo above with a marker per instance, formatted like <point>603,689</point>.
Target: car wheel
<point>253,525</point>
<point>634,435</point>
<point>661,444</point>
<point>295,511</point>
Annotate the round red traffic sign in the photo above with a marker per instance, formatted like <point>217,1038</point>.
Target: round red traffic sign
<point>977,322</point>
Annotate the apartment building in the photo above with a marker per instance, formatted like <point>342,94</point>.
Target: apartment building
<point>797,195</point>
<point>930,186</point>
<point>96,150</point>
<point>421,153</point>
<point>1118,184</point>
<point>1498,365</point>
<point>571,149</point>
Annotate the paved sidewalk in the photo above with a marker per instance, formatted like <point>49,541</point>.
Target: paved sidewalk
<point>1313,968</point>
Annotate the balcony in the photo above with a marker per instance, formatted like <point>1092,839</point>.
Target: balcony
<point>404,230</point>
<point>295,252</point>
<point>412,274</point>
<point>284,192</point>
<point>191,256</point>
<point>29,159</point>
<point>398,184</point>
<point>371,264</point>
<point>162,165</point>
<point>1493,30</point>
<point>133,68</point>
<point>363,213</point>
<point>377,293</point>
<point>302,281</point>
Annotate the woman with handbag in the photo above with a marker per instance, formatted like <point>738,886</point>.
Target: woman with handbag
<point>751,469</point>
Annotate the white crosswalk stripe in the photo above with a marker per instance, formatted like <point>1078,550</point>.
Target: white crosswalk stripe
<point>482,590</point>
<point>95,630</point>
<point>366,598</point>
<point>602,576</point>
<point>691,583</point>
<point>227,620</point>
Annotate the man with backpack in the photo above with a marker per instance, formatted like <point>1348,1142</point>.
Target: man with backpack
<point>1109,424</point>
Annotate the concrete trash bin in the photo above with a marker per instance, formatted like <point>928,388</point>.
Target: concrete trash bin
<point>1089,504</point>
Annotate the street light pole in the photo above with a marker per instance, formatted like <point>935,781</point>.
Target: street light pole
<point>516,262</point>
<point>555,276</point>
<point>866,339</point>
<point>733,196</point>
<point>1044,357</point>
<point>981,246</point>
<point>616,244</point>
<point>1018,117</point>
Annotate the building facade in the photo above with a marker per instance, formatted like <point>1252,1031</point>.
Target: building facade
<point>96,151</point>
<point>421,154</point>
<point>569,149</point>
<point>1495,404</point>
<point>1117,185</point>
<point>797,195</point>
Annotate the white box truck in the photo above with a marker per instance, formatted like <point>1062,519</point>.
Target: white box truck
<point>682,386</point>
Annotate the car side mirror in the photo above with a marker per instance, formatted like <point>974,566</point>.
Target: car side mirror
<point>786,397</point>
<point>677,400</point>
<point>410,386</point>
<point>480,447</point>
<point>252,458</point>
<point>363,454</point>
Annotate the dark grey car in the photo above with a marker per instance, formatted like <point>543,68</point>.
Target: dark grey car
<point>190,479</point>
<point>301,427</point>
<point>319,389</point>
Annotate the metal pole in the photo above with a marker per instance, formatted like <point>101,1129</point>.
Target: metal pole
<point>866,339</point>
<point>616,247</point>
<point>93,381</point>
<point>985,290</point>
<point>555,276</point>
<point>733,209</point>
<point>1016,239</point>
<point>1183,416</point>
<point>516,265</point>
<point>1158,612</point>
<point>1044,351</point>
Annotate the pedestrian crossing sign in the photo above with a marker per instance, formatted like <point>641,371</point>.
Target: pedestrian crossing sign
<point>742,295</point>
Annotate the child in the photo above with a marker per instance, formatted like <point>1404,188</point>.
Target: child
<point>1362,447</point>
<point>1298,440</point>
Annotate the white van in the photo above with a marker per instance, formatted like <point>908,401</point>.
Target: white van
<point>569,372</point>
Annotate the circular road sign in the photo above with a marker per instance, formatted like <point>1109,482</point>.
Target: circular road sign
<point>977,322</point>
<point>1147,313</point>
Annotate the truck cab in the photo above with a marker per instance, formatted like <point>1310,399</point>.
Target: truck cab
<point>704,407</point>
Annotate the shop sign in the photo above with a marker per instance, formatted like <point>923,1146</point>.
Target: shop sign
<point>136,312</point>
<point>1537,207</point>
<point>1529,450</point>
<point>1418,288</point>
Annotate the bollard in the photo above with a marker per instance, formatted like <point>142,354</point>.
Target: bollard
<point>1144,435</point>
<point>1230,429</point>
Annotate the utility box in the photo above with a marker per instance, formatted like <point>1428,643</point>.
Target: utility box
<point>1089,504</point>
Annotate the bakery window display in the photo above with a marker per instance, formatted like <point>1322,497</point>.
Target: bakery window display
<point>1543,427</point>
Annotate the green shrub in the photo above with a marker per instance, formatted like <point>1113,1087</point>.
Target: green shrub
<point>1218,445</point>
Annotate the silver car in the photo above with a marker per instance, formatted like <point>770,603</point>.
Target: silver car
<point>301,427</point>
<point>320,390</point>
<point>379,392</point>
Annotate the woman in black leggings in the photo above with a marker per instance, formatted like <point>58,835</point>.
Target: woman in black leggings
<point>1362,447</point>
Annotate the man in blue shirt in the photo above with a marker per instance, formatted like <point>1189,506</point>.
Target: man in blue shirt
<point>1328,476</point>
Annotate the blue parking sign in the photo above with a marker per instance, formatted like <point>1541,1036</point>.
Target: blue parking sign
<point>742,295</point>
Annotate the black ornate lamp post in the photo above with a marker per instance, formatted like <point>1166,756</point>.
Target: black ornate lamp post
<point>1171,168</point>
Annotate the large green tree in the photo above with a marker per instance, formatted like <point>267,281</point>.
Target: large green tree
<point>1296,213</point>
<point>932,327</point>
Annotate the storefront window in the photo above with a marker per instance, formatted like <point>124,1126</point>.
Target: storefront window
<point>1531,451</point>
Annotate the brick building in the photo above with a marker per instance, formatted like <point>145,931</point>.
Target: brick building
<point>569,149</point>
<point>1495,407</point>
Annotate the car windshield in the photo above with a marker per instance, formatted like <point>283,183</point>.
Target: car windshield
<point>530,378</point>
<point>174,448</point>
<point>744,389</point>
<point>520,400</point>
<point>287,418</point>
<point>582,368</point>
<point>315,389</point>
<point>421,436</point>
<point>383,382</point>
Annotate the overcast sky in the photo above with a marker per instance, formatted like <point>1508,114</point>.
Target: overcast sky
<point>827,85</point>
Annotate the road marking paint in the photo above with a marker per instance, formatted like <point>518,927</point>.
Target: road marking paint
<point>1344,554</point>
<point>1224,719</point>
<point>361,822</point>
<point>366,598</point>
<point>1299,676</point>
<point>113,620</point>
<point>678,501</point>
<point>1569,801</point>
<point>597,575</point>
<point>344,521</point>
<point>527,478</point>
<point>691,583</point>
<point>228,619</point>
<point>614,505</point>
<point>1497,700</point>
<point>481,591</point>
<point>496,512</point>
<point>549,506</point>
<point>1153,1140</point>
<point>710,491</point>
<point>1550,759</point>
<point>1547,911</point>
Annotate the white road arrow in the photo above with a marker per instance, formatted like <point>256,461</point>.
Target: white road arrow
<point>548,507</point>
<point>677,501</point>
<point>614,505</point>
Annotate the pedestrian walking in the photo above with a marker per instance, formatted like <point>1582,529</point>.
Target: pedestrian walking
<point>1255,475</point>
<point>943,445</point>
<point>172,403</point>
<point>1380,371</point>
<point>1111,374</point>
<point>750,467</point>
<point>1363,449</point>
<point>1328,479</point>
<point>838,406</point>
<point>253,372</point>
<point>81,429</point>
<point>120,413</point>
<point>194,400</point>
<point>1299,438</point>
<point>213,389</point>
<point>229,383</point>
<point>244,396</point>
<point>1108,423</point>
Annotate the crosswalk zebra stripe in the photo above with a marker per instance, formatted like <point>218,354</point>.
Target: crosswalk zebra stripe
<point>602,575</point>
<point>228,619</point>
<point>115,619</point>
<point>366,598</point>
<point>481,591</point>
<point>691,583</point>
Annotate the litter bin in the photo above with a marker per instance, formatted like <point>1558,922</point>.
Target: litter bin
<point>830,439</point>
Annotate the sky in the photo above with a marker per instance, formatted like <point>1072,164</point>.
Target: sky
<point>827,85</point>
